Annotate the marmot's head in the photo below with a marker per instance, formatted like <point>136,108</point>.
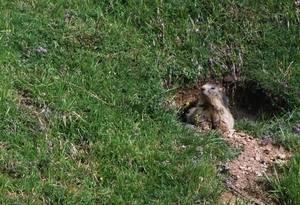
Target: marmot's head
<point>212,92</point>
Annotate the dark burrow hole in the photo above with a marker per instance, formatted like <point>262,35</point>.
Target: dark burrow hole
<point>246,100</point>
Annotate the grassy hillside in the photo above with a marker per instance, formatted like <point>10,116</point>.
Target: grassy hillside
<point>84,86</point>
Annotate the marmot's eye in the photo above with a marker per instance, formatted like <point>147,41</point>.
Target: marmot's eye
<point>213,88</point>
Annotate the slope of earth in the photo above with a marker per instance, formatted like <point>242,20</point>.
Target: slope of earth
<point>248,169</point>
<point>245,174</point>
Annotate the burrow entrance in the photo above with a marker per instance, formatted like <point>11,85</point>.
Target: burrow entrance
<point>244,174</point>
<point>245,99</point>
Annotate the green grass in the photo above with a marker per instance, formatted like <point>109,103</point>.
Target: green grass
<point>86,121</point>
<point>285,182</point>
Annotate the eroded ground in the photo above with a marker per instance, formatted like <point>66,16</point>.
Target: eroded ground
<point>246,181</point>
<point>248,169</point>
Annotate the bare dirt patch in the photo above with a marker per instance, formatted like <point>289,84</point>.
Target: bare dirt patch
<point>248,169</point>
<point>246,173</point>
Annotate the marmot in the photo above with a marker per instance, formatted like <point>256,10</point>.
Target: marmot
<point>211,111</point>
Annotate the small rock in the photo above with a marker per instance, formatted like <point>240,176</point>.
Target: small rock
<point>257,157</point>
<point>244,142</point>
<point>242,134</point>
<point>259,174</point>
<point>281,156</point>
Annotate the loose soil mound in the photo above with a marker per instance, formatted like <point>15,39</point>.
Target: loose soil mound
<point>248,169</point>
<point>246,173</point>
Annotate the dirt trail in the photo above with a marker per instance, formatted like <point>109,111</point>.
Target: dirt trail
<point>248,169</point>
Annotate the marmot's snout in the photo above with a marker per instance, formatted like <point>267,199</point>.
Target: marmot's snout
<point>206,89</point>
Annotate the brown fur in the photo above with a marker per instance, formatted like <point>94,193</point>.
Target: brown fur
<point>211,111</point>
